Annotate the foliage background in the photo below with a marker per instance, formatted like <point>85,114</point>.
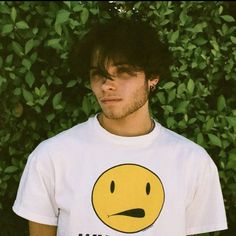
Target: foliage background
<point>40,96</point>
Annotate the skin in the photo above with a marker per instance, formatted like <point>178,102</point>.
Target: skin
<point>36,229</point>
<point>123,98</point>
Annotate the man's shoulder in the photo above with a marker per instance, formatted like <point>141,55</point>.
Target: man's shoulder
<point>74,132</point>
<point>176,141</point>
<point>72,136</point>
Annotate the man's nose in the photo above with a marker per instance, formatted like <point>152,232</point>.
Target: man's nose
<point>108,83</point>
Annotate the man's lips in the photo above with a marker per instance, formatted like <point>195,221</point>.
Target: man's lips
<point>110,100</point>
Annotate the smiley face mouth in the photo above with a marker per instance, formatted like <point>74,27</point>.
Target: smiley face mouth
<point>137,213</point>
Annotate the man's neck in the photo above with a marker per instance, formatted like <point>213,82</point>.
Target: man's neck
<point>129,126</point>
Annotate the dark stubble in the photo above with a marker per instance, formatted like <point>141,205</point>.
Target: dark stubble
<point>138,100</point>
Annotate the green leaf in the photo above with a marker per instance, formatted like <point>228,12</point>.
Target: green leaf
<point>7,28</point>
<point>50,117</point>
<point>183,17</point>
<point>86,105</point>
<point>171,95</point>
<point>29,45</point>
<point>233,39</point>
<point>170,122</point>
<point>12,76</point>
<point>2,81</point>
<point>71,83</point>
<point>190,86</point>
<point>11,169</point>
<point>56,101</point>
<point>215,45</point>
<point>200,139</point>
<point>17,91</point>
<point>214,140</point>
<point>49,80</point>
<point>78,8</point>
<point>22,25</point>
<point>28,96</point>
<point>167,108</point>
<point>164,22</point>
<point>26,63</point>
<point>33,57</point>
<point>84,15</point>
<point>35,31</point>
<point>199,27</point>
<point>17,48</point>
<point>221,103</point>
<point>231,120</point>
<point>174,36</point>
<point>94,11</point>
<point>169,85</point>
<point>220,10</point>
<point>37,91</point>
<point>168,12</point>
<point>227,18</point>
<point>137,5</point>
<point>62,17</point>
<point>161,97</point>
<point>181,89</point>
<point>58,29</point>
<point>67,3</point>
<point>182,107</point>
<point>43,90</point>
<point>225,29</point>
<point>13,14</point>
<point>30,79</point>
<point>9,59</point>
<point>210,124</point>
<point>54,43</point>
<point>200,41</point>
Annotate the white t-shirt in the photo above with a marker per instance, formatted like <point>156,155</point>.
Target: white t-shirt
<point>90,182</point>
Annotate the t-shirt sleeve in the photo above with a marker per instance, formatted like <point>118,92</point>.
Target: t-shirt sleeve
<point>35,199</point>
<point>206,212</point>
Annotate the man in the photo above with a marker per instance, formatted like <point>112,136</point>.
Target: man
<point>121,172</point>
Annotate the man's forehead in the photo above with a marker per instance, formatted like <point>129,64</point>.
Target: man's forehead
<point>103,59</point>
<point>111,64</point>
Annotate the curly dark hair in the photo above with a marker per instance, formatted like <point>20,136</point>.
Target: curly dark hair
<point>132,42</point>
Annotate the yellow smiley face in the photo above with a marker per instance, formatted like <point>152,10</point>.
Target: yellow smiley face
<point>128,198</point>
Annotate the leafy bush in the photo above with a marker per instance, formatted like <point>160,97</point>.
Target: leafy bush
<point>40,96</point>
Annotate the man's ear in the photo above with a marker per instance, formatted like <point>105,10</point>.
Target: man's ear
<point>153,81</point>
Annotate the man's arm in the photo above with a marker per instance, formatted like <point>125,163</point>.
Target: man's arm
<point>37,229</point>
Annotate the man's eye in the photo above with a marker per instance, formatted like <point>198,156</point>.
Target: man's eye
<point>127,72</point>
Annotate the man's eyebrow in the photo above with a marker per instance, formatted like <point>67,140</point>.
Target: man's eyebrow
<point>119,65</point>
<point>116,65</point>
<point>125,64</point>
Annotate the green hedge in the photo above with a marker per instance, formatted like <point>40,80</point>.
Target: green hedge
<point>40,96</point>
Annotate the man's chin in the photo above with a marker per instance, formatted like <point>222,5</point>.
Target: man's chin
<point>113,115</point>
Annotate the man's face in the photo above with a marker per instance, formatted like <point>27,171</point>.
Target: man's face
<point>121,91</point>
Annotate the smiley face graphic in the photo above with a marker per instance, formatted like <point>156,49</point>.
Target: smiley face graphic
<point>128,198</point>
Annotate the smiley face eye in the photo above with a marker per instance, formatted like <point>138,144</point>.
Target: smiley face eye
<point>112,186</point>
<point>148,188</point>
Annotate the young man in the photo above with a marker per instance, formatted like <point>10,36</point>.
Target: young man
<point>121,172</point>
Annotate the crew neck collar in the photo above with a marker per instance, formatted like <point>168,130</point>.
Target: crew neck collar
<point>123,140</point>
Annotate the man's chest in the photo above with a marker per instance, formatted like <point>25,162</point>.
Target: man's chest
<point>119,197</point>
